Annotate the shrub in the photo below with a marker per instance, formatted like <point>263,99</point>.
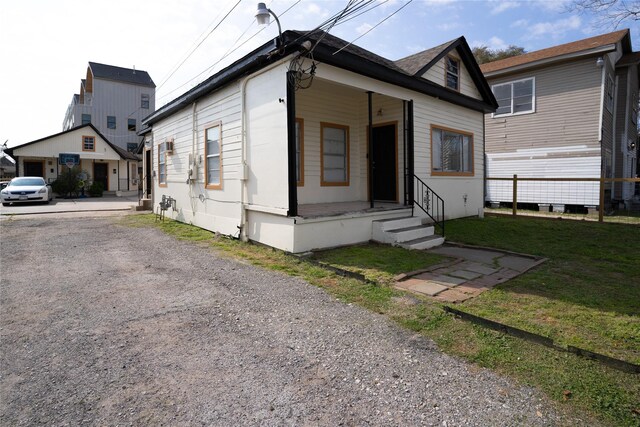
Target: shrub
<point>96,189</point>
<point>67,183</point>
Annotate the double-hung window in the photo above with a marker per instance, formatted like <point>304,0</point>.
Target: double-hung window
<point>300,152</point>
<point>212,151</point>
<point>335,154</point>
<point>452,71</point>
<point>517,97</point>
<point>111,122</point>
<point>88,143</point>
<point>162,164</point>
<point>451,152</point>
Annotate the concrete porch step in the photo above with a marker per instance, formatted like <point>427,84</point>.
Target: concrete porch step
<point>410,233</point>
<point>395,223</point>
<point>423,242</point>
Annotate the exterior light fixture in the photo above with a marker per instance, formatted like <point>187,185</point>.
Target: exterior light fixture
<point>263,17</point>
<point>600,62</point>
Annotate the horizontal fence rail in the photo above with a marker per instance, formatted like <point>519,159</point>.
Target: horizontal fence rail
<point>588,192</point>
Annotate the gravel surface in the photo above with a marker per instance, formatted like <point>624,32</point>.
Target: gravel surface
<point>108,325</point>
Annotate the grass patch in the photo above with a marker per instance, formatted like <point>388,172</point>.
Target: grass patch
<point>588,292</point>
<point>380,263</point>
<point>572,298</point>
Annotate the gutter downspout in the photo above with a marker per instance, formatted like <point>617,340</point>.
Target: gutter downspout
<point>244,175</point>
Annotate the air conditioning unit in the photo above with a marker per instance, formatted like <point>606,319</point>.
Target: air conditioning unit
<point>168,146</point>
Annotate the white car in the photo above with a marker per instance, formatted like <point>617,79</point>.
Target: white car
<point>26,189</point>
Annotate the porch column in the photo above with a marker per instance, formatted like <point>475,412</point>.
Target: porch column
<point>370,145</point>
<point>410,152</point>
<point>291,144</point>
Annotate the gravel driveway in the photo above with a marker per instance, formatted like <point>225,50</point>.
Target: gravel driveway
<point>107,325</point>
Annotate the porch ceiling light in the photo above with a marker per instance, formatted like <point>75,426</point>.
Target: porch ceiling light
<point>263,16</point>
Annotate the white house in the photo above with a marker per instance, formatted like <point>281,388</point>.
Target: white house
<point>303,150</point>
<point>114,100</point>
<point>105,162</point>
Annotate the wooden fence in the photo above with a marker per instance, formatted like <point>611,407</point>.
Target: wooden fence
<point>602,184</point>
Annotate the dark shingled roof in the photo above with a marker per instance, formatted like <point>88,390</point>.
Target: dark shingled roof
<point>414,63</point>
<point>337,43</point>
<point>126,75</point>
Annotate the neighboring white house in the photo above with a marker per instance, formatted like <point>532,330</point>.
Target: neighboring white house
<point>276,148</point>
<point>115,167</point>
<point>568,111</point>
<point>114,100</point>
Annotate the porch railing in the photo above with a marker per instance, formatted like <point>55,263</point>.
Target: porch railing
<point>430,203</point>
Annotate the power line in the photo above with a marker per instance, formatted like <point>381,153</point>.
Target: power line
<point>372,28</point>
<point>229,51</point>
<point>199,44</point>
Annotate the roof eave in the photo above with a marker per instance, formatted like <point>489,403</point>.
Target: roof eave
<point>548,61</point>
<point>357,65</point>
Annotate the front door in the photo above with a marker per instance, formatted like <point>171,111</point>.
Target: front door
<point>34,169</point>
<point>384,156</point>
<point>101,174</point>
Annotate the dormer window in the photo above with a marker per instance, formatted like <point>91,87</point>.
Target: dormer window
<point>452,71</point>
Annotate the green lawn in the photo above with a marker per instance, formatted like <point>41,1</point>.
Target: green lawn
<point>586,295</point>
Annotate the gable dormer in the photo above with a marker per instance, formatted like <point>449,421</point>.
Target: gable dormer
<point>450,65</point>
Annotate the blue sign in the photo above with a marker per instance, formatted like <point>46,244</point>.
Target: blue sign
<point>69,159</point>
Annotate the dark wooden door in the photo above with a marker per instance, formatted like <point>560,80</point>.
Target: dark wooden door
<point>34,169</point>
<point>385,172</point>
<point>148,168</point>
<point>101,174</point>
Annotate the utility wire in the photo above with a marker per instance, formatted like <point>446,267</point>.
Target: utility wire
<point>372,28</point>
<point>199,44</point>
<point>229,51</point>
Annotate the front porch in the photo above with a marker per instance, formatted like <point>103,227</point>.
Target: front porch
<point>323,210</point>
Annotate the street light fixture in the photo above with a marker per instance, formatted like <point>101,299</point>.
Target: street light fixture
<point>263,18</point>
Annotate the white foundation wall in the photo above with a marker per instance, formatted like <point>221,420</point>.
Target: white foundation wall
<point>212,209</point>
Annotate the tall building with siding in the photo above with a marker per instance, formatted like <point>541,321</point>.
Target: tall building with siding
<point>114,100</point>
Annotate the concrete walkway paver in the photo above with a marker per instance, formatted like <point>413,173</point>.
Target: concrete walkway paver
<point>471,272</point>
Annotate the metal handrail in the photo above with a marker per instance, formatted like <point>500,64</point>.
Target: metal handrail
<point>430,203</point>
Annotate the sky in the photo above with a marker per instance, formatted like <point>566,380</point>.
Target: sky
<point>45,45</point>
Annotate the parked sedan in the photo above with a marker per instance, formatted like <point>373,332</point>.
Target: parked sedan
<point>26,189</point>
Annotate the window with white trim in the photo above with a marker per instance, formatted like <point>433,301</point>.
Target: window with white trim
<point>452,71</point>
<point>213,175</point>
<point>517,97</point>
<point>451,152</point>
<point>162,165</point>
<point>335,154</point>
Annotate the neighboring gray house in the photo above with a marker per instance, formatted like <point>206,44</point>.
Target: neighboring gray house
<point>567,111</point>
<point>114,100</point>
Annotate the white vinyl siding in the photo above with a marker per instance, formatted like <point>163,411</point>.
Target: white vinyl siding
<point>517,97</point>
<point>466,85</point>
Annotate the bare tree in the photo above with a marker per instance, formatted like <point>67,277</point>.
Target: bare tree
<point>610,12</point>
